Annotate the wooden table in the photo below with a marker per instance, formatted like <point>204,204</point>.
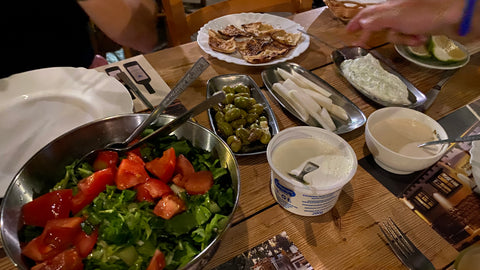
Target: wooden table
<point>350,239</point>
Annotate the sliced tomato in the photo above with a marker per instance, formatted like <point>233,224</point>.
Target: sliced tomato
<point>184,168</point>
<point>66,260</point>
<point>91,186</point>
<point>164,166</point>
<point>131,172</point>
<point>61,233</point>
<point>152,189</point>
<point>98,181</point>
<point>80,201</point>
<point>105,159</point>
<point>169,206</point>
<point>52,205</point>
<point>38,251</point>
<point>143,194</point>
<point>158,261</point>
<point>58,235</point>
<point>199,182</point>
<point>84,243</point>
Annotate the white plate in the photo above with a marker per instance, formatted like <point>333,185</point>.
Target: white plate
<point>431,62</point>
<point>38,106</point>
<point>243,18</point>
<point>475,162</point>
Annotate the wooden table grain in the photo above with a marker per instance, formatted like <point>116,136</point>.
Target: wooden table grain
<point>363,203</point>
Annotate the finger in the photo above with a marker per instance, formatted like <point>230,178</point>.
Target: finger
<point>406,39</point>
<point>362,40</point>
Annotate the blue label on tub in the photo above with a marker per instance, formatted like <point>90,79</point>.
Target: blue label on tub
<point>290,192</point>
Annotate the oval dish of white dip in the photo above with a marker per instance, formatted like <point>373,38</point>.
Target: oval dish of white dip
<point>334,160</point>
<point>367,74</point>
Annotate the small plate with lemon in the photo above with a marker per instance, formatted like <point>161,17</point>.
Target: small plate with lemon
<point>439,52</point>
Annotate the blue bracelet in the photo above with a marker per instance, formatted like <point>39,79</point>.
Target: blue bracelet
<point>467,17</point>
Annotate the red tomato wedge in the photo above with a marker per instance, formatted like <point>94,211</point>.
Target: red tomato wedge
<point>169,206</point>
<point>52,205</point>
<point>97,182</point>
<point>66,260</point>
<point>153,189</point>
<point>84,243</point>
<point>183,169</point>
<point>105,159</point>
<point>164,166</point>
<point>131,172</point>
<point>58,235</point>
<point>91,186</point>
<point>158,261</point>
<point>135,151</point>
<point>199,182</point>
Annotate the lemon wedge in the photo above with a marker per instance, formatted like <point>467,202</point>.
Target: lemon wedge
<point>445,50</point>
<point>420,51</point>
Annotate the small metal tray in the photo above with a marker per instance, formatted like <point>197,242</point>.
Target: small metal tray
<point>415,96</point>
<point>356,118</point>
<point>217,83</point>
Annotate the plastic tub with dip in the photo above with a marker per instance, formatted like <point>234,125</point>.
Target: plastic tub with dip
<point>290,149</point>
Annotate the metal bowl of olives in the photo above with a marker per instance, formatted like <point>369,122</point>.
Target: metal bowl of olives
<point>244,120</point>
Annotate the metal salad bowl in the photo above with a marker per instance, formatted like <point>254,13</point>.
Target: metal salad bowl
<point>47,166</point>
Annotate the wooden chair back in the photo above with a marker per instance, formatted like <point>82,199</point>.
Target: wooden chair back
<point>182,26</point>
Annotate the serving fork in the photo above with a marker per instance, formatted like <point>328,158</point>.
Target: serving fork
<point>403,248</point>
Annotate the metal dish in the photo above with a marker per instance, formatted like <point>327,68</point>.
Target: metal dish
<point>43,170</point>
<point>356,118</point>
<point>217,83</point>
<point>415,96</point>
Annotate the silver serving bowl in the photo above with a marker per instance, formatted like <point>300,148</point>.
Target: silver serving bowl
<point>47,166</point>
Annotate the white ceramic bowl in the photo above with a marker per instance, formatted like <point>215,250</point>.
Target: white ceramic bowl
<point>396,125</point>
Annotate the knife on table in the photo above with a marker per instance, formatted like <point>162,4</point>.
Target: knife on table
<point>432,94</point>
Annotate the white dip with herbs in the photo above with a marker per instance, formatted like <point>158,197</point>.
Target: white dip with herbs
<point>367,74</point>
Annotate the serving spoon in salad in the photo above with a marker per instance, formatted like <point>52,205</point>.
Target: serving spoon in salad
<point>200,65</point>
<point>164,130</point>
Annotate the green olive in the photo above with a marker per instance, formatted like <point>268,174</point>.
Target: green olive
<point>251,118</point>
<point>235,143</point>
<point>232,114</point>
<point>256,108</point>
<point>266,136</point>
<point>225,128</point>
<point>262,118</point>
<point>220,117</point>
<point>228,89</point>
<point>229,98</point>
<point>240,88</point>
<point>247,95</point>
<point>238,123</point>
<point>242,133</point>
<point>242,103</point>
<point>252,101</point>
<point>228,107</point>
<point>255,134</point>
<point>243,113</point>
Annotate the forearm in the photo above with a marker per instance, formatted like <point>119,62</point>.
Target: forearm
<point>131,23</point>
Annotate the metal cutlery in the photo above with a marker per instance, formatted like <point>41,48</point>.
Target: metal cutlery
<point>124,78</point>
<point>452,140</point>
<point>432,94</point>
<point>403,248</point>
<point>184,82</point>
<point>309,167</point>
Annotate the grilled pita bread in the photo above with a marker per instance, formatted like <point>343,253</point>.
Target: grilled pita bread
<point>219,44</point>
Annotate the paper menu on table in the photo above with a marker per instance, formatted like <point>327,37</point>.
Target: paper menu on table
<point>155,82</point>
<point>279,252</point>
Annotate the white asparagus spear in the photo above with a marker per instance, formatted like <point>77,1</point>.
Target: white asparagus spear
<point>310,84</point>
<point>283,92</point>
<point>312,108</point>
<point>287,75</point>
<point>328,119</point>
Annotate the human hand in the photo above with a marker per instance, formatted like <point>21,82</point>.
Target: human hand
<point>407,21</point>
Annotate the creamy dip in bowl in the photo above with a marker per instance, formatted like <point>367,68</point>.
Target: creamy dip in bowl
<point>290,150</point>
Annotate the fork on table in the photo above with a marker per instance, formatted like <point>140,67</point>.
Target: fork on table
<point>403,248</point>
